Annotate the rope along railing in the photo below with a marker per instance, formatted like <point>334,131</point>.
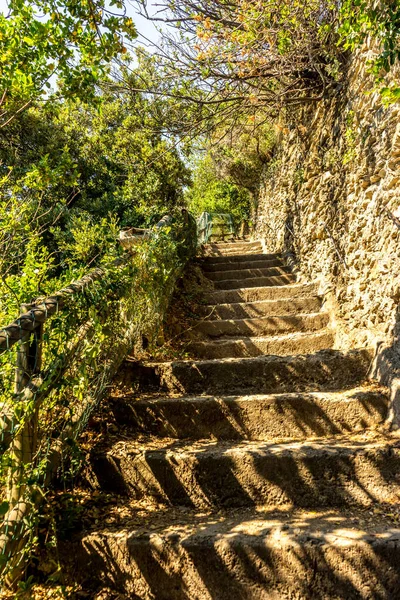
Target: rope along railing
<point>216,226</point>
<point>57,360</point>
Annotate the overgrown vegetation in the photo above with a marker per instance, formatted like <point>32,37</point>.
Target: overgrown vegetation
<point>257,59</point>
<point>82,347</point>
<point>227,173</point>
<point>215,195</point>
<point>98,135</point>
<point>72,177</point>
<point>380,21</point>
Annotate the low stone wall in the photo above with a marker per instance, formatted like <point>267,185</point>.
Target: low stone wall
<point>331,198</point>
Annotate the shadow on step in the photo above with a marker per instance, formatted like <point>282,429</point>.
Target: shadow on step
<point>291,416</point>
<point>261,326</point>
<point>259,309</point>
<point>270,554</point>
<point>326,369</point>
<point>340,472</point>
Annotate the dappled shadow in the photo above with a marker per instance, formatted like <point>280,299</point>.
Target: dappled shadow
<point>341,471</point>
<point>259,308</point>
<point>291,416</point>
<point>324,370</point>
<point>229,249</point>
<point>200,454</point>
<point>249,555</point>
<point>264,326</point>
<point>386,369</point>
<point>259,292</point>
<point>258,261</point>
<point>243,273</point>
<point>209,261</point>
<point>248,282</point>
<point>292,343</point>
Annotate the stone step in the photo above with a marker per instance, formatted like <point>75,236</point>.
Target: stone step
<point>352,470</point>
<point>245,554</point>
<point>260,263</point>
<point>263,325</point>
<point>282,345</point>
<point>325,370</point>
<point>234,246</point>
<point>243,282</point>
<point>261,308</point>
<point>247,273</point>
<point>210,261</point>
<point>243,250</point>
<point>296,290</point>
<point>254,417</point>
<point>232,253</point>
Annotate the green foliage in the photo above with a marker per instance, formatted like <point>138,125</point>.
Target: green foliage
<point>361,19</point>
<point>76,165</point>
<point>227,176</point>
<point>85,241</point>
<point>212,194</point>
<point>231,60</point>
<point>240,154</point>
<point>72,176</point>
<point>125,165</point>
<point>73,41</point>
<point>83,345</point>
<point>245,56</point>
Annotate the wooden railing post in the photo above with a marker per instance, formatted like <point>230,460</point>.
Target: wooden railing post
<point>22,454</point>
<point>21,436</point>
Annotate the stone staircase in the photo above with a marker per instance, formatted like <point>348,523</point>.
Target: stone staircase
<point>258,469</point>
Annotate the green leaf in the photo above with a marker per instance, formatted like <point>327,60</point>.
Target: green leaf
<point>4,507</point>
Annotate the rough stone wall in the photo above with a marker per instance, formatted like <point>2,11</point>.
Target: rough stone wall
<point>331,196</point>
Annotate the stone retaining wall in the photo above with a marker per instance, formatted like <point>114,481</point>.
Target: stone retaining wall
<point>331,196</point>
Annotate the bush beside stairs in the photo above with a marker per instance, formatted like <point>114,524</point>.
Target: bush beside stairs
<point>262,461</point>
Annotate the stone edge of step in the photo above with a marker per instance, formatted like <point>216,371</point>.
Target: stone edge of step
<point>297,286</point>
<point>275,301</point>
<point>331,396</point>
<point>238,258</point>
<point>353,444</point>
<point>265,318</point>
<point>249,272</point>
<point>281,519</point>
<point>295,336</point>
<point>269,281</point>
<point>365,353</point>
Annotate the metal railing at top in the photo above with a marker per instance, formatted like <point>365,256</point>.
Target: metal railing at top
<point>57,360</point>
<point>214,226</point>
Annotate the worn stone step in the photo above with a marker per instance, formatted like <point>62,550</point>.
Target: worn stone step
<point>246,263</point>
<point>263,325</point>
<point>243,282</point>
<point>261,308</point>
<point>211,261</point>
<point>254,417</point>
<point>233,251</point>
<point>282,345</point>
<point>245,554</point>
<point>234,246</point>
<point>328,369</point>
<point>281,292</point>
<point>343,471</point>
<point>247,273</point>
